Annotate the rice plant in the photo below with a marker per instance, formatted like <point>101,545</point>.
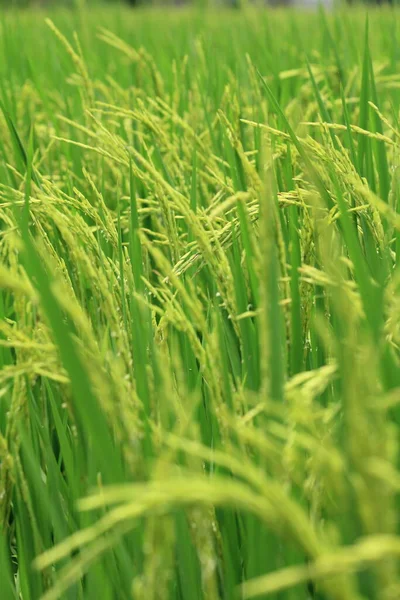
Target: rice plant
<point>200,304</point>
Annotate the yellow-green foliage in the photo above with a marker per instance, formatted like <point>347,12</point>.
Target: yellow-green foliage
<point>200,309</point>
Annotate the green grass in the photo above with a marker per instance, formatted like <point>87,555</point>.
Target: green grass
<point>200,305</point>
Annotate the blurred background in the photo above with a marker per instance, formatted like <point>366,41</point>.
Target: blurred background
<point>217,3</point>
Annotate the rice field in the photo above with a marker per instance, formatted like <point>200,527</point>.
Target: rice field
<point>200,304</point>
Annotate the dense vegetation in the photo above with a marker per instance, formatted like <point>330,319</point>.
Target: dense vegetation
<point>200,305</point>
